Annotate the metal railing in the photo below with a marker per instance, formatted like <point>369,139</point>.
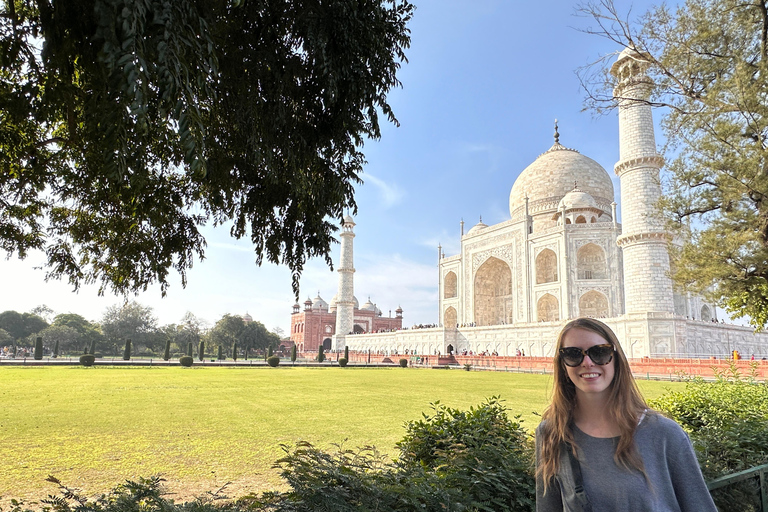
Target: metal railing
<point>760,473</point>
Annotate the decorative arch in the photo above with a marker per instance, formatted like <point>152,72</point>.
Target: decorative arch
<point>327,344</point>
<point>449,286</point>
<point>581,220</point>
<point>493,293</point>
<point>594,305</point>
<point>450,318</point>
<point>706,313</point>
<point>546,266</point>
<point>357,329</point>
<point>591,262</point>
<point>548,308</point>
<point>592,220</point>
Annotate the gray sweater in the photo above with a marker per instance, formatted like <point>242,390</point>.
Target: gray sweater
<point>671,465</point>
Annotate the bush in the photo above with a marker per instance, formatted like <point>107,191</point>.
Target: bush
<point>468,367</point>
<point>186,361</point>
<point>403,363</point>
<point>727,421</point>
<point>454,460</point>
<point>346,353</point>
<point>127,352</point>
<point>234,351</point>
<point>201,351</point>
<point>343,362</point>
<point>167,352</point>
<point>293,354</point>
<point>221,353</point>
<point>38,348</point>
<point>87,359</point>
<point>273,361</point>
<point>320,354</point>
<point>56,349</point>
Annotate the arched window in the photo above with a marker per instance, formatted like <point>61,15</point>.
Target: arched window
<point>593,304</point>
<point>592,220</point>
<point>493,293</point>
<point>450,318</point>
<point>547,309</point>
<point>581,220</point>
<point>567,220</point>
<point>546,266</point>
<point>449,286</point>
<point>706,314</point>
<point>590,260</point>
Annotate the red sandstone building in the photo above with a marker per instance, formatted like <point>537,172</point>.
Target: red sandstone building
<point>317,323</point>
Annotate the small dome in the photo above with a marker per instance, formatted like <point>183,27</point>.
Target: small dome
<point>319,304</point>
<point>247,318</point>
<point>577,199</point>
<point>369,306</point>
<point>399,310</point>
<point>349,220</point>
<point>477,227</point>
<point>308,302</point>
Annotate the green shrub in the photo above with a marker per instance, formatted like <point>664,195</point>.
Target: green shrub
<point>189,349</point>
<point>293,354</point>
<point>38,348</point>
<point>476,460</point>
<point>56,349</point>
<point>201,351</point>
<point>343,362</point>
<point>234,351</point>
<point>468,367</point>
<point>482,452</point>
<point>727,421</point>
<point>221,353</point>
<point>403,362</point>
<point>269,351</point>
<point>93,347</point>
<point>346,353</point>
<point>186,361</point>
<point>127,352</point>
<point>273,361</point>
<point>167,353</point>
<point>87,359</point>
<point>320,354</point>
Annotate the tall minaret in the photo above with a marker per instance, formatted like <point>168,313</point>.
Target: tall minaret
<point>345,299</point>
<point>647,285</point>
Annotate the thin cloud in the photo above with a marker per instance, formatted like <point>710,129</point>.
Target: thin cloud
<point>391,194</point>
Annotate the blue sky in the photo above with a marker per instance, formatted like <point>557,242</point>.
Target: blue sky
<point>485,81</point>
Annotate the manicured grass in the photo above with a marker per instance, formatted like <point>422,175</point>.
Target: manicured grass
<point>203,427</point>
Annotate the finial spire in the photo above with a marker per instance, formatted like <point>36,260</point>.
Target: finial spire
<point>557,134</point>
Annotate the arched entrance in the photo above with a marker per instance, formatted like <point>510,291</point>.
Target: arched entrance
<point>493,293</point>
<point>593,304</point>
<point>327,344</point>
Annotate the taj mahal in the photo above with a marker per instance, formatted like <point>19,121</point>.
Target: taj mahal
<point>563,254</point>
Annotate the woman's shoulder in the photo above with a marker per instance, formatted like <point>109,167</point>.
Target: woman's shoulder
<point>660,425</point>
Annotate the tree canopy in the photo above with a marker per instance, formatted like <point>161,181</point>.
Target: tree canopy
<point>126,126</point>
<point>709,60</point>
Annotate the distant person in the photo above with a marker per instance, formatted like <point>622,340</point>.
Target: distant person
<point>599,447</point>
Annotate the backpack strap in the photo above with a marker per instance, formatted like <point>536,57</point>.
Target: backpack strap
<point>581,494</point>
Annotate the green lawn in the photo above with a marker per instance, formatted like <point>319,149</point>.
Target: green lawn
<point>203,427</point>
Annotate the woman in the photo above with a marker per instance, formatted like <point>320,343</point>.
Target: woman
<point>599,448</point>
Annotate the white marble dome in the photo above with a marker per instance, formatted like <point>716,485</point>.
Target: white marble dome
<point>318,304</point>
<point>553,175</point>
<point>477,227</point>
<point>576,198</point>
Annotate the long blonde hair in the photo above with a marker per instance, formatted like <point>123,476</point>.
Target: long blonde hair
<point>625,403</point>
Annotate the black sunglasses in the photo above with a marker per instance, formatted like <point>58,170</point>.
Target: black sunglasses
<point>598,354</point>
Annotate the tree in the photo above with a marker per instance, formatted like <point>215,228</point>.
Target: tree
<point>226,331</point>
<point>131,320</point>
<point>137,124</point>
<point>87,331</point>
<point>69,339</point>
<point>255,336</point>
<point>43,312</point>
<point>709,62</point>
<point>21,325</point>
<point>127,351</point>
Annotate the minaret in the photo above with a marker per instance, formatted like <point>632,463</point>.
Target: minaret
<point>345,302</point>
<point>647,285</point>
